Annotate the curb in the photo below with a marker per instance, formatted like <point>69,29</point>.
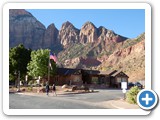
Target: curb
<point>19,93</point>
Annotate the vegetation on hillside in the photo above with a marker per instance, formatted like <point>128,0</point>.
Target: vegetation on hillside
<point>132,42</point>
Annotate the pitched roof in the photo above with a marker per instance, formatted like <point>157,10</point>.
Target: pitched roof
<point>118,72</point>
<point>109,73</point>
<point>67,71</point>
<point>91,72</point>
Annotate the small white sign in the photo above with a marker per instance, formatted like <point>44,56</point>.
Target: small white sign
<point>38,81</point>
<point>20,83</point>
<point>124,85</point>
<point>124,90</point>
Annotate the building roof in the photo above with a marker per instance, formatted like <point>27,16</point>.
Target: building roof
<point>68,71</point>
<point>119,72</point>
<point>107,72</point>
<point>91,72</point>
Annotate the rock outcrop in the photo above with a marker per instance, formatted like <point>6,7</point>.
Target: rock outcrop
<point>131,59</point>
<point>26,29</point>
<point>80,61</point>
<point>51,37</point>
<point>88,33</point>
<point>68,34</point>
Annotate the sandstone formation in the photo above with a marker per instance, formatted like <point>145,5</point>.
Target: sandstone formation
<point>80,62</point>
<point>68,34</point>
<point>26,29</point>
<point>88,33</point>
<point>50,37</point>
<point>130,59</point>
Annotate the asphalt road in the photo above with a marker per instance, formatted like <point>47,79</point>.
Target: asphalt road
<point>69,101</point>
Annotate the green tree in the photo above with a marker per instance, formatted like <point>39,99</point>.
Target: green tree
<point>38,65</point>
<point>19,57</point>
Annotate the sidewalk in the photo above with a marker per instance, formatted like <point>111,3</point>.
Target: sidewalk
<point>121,104</point>
<point>116,104</point>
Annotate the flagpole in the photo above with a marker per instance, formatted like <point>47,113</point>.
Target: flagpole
<point>49,67</point>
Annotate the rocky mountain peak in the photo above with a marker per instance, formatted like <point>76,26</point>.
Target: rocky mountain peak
<point>102,31</point>
<point>50,37</point>
<point>68,34</point>
<point>88,33</point>
<point>18,12</point>
<point>88,24</point>
<point>51,26</point>
<point>67,24</point>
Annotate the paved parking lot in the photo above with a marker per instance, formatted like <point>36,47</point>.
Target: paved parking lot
<point>65,101</point>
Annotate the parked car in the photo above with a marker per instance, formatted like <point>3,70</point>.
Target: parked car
<point>130,84</point>
<point>139,85</point>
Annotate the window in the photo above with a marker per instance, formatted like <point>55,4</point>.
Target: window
<point>124,80</point>
<point>76,78</point>
<point>95,80</point>
<point>119,79</point>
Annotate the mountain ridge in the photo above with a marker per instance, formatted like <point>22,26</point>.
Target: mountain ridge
<point>25,23</point>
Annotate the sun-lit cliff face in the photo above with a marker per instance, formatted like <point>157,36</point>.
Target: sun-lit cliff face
<point>26,29</point>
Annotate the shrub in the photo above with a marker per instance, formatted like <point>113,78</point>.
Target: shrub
<point>84,88</point>
<point>131,95</point>
<point>74,88</point>
<point>65,86</point>
<point>30,89</point>
<point>30,82</point>
<point>42,90</point>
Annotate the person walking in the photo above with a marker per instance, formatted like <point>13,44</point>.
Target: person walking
<point>54,89</point>
<point>47,89</point>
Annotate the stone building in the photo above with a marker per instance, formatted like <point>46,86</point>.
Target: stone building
<point>69,76</point>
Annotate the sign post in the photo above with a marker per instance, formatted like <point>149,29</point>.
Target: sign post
<point>124,87</point>
<point>38,82</point>
<point>18,90</point>
<point>26,80</point>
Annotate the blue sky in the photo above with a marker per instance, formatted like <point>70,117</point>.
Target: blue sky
<point>126,22</point>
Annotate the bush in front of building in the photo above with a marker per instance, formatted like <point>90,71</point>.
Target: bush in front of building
<point>30,88</point>
<point>84,88</point>
<point>131,95</point>
<point>74,88</point>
